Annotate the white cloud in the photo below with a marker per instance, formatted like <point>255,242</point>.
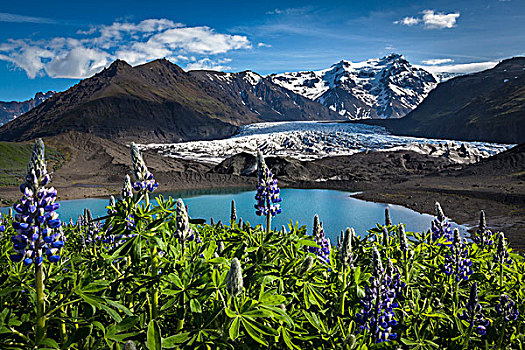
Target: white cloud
<point>432,20</point>
<point>136,43</point>
<point>437,61</point>
<point>408,21</point>
<point>208,64</point>
<point>263,45</point>
<point>9,17</point>
<point>462,68</point>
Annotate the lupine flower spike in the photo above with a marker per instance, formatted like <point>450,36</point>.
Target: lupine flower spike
<point>36,222</point>
<point>183,232</point>
<point>377,315</point>
<point>346,248</point>
<point>457,262</point>
<point>267,195</point>
<point>473,313</point>
<point>233,214</point>
<point>440,226</point>
<point>507,309</point>
<point>483,235</point>
<point>127,189</point>
<point>307,264</point>
<point>502,256</point>
<point>388,220</point>
<point>323,252</point>
<point>403,242</point>
<point>144,179</point>
<point>234,282</point>
<point>38,227</point>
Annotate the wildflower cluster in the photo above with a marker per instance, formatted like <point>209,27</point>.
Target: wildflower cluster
<point>144,179</point>
<point>457,262</point>
<point>89,230</point>
<point>267,195</point>
<point>36,222</point>
<point>507,309</point>
<point>377,315</point>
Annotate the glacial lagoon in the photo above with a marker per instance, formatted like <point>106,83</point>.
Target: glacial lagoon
<point>336,209</point>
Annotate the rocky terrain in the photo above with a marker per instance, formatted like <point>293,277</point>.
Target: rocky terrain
<point>388,87</point>
<point>158,102</point>
<point>487,106</point>
<point>11,110</point>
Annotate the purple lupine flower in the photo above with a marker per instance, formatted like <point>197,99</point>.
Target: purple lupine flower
<point>2,226</point>
<point>377,314</point>
<point>323,252</point>
<point>130,222</point>
<point>36,221</point>
<point>440,226</point>
<point>393,278</point>
<point>473,312</point>
<point>502,255</point>
<point>267,195</point>
<point>483,236</point>
<point>89,230</point>
<point>507,309</point>
<point>144,179</point>
<point>457,262</point>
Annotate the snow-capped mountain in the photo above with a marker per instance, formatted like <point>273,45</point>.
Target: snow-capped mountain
<point>11,110</point>
<point>388,87</point>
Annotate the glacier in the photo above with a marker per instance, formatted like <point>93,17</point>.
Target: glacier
<point>313,140</point>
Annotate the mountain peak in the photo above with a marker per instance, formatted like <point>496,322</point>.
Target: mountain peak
<point>393,56</point>
<point>116,67</point>
<point>162,63</point>
<point>385,87</point>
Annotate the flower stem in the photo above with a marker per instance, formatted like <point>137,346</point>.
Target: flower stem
<point>501,275</point>
<point>268,222</point>
<point>154,272</point>
<point>40,318</point>
<point>344,292</point>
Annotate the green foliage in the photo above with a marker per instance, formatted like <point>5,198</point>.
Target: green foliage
<point>161,294</point>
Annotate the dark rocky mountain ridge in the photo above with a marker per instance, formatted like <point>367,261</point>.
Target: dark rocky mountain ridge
<point>484,106</point>
<point>12,109</point>
<point>159,102</point>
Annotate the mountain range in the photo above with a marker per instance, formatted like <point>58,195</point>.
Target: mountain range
<point>389,87</point>
<point>158,102</point>
<point>488,106</point>
<point>11,110</point>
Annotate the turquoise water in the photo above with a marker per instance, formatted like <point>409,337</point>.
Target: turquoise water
<point>336,209</point>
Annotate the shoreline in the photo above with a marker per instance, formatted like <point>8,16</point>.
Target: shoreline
<point>421,200</point>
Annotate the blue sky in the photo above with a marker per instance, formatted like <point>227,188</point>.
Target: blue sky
<point>48,45</point>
